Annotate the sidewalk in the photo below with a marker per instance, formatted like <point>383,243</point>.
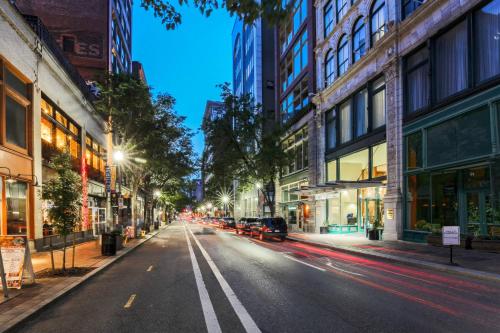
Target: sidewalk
<point>31,298</point>
<point>475,263</point>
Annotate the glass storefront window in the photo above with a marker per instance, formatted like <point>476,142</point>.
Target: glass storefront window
<point>348,207</point>
<point>333,206</point>
<point>379,160</point>
<point>354,167</point>
<point>444,199</point>
<point>47,108</point>
<point>345,122</point>
<point>88,157</point>
<point>61,140</point>
<point>331,171</point>
<point>16,202</point>
<point>414,151</point>
<point>418,203</point>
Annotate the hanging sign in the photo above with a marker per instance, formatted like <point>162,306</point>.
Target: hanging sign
<point>16,261</point>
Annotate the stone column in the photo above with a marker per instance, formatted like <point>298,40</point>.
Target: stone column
<point>37,161</point>
<point>393,215</point>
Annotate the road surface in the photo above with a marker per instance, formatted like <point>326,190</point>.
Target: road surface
<point>196,278</point>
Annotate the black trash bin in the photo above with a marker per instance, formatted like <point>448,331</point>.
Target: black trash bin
<point>108,245</point>
<point>157,225</point>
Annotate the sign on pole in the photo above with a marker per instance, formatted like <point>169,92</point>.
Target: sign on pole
<point>451,235</point>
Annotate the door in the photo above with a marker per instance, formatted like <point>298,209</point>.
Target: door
<point>477,213</point>
<point>372,213</point>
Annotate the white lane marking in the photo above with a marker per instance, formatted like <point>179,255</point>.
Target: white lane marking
<point>342,270</point>
<point>206,304</point>
<point>130,301</point>
<point>242,313</point>
<point>305,263</point>
<point>150,268</point>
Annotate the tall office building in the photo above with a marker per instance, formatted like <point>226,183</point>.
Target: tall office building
<point>95,35</point>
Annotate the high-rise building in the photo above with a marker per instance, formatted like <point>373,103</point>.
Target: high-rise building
<point>253,74</point>
<point>95,35</point>
<point>295,85</point>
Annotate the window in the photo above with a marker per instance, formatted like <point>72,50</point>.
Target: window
<point>331,129</point>
<point>346,122</point>
<point>452,61</point>
<point>16,118</point>
<point>361,111</point>
<point>417,80</point>
<point>378,103</point>
<point>299,14</point>
<point>354,167</point>
<point>296,101</point>
<point>341,9</point>
<point>17,202</point>
<point>409,6</point>
<point>358,40</point>
<point>68,44</point>
<point>46,130</point>
<point>331,171</point>
<point>377,21</point>
<point>329,68</point>
<point>379,161</point>
<point>342,56</point>
<point>452,140</point>
<point>414,151</point>
<point>291,26</point>
<point>15,83</point>
<point>487,38</point>
<point>328,18</point>
<point>418,202</point>
<point>300,55</point>
<point>296,146</point>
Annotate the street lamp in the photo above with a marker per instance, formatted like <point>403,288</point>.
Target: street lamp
<point>225,201</point>
<point>157,193</point>
<point>118,156</point>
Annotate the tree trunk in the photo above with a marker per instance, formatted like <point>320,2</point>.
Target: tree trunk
<point>64,254</point>
<point>73,258</point>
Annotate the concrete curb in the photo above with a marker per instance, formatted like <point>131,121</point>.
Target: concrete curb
<point>26,314</point>
<point>413,262</point>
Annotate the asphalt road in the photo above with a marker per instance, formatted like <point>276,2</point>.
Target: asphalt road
<point>219,281</point>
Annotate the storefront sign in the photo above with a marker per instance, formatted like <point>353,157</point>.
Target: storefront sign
<point>451,235</point>
<point>16,260</point>
<point>326,196</point>
<point>390,213</point>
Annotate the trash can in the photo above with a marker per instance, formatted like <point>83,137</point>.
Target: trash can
<point>108,245</point>
<point>157,225</point>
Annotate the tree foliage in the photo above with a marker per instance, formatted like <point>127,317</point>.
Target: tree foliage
<point>248,10</point>
<point>64,191</point>
<point>244,143</point>
<point>147,128</point>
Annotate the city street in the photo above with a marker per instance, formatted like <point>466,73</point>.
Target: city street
<point>235,283</point>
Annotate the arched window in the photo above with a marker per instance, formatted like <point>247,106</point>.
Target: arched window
<point>342,8</point>
<point>328,18</point>
<point>342,56</point>
<point>329,68</point>
<point>377,20</point>
<point>358,40</point>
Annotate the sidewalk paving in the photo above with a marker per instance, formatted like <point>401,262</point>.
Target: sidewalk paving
<point>31,298</point>
<point>481,264</point>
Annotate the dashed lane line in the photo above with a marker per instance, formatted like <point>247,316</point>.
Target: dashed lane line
<point>150,268</point>
<point>305,263</point>
<point>130,301</point>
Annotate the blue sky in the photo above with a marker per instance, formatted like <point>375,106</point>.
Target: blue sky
<point>187,62</point>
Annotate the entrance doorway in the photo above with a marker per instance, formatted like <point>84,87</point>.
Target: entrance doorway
<point>371,213</point>
<point>478,212</point>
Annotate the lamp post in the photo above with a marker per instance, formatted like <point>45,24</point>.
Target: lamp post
<point>118,157</point>
<point>209,207</point>
<point>225,201</point>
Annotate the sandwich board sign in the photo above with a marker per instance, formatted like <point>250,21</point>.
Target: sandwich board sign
<point>16,261</point>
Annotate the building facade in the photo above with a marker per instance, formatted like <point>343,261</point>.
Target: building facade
<point>408,116</point>
<point>46,108</point>
<point>95,35</point>
<point>253,74</point>
<point>295,86</point>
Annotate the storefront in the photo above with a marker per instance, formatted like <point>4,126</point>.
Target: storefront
<point>452,169</point>
<point>97,207</point>
<point>294,207</point>
<point>355,190</point>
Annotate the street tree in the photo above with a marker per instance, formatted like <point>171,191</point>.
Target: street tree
<point>252,151</point>
<point>153,136</point>
<point>248,10</point>
<point>64,192</point>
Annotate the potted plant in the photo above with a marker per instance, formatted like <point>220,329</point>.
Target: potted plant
<point>324,228</point>
<point>375,232</point>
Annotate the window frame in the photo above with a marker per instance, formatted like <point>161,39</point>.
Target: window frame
<point>25,102</point>
<point>341,45</point>
<point>376,10</point>
<point>340,12</point>
<point>329,64</point>
<point>414,4</point>
<point>355,31</point>
<point>328,26</point>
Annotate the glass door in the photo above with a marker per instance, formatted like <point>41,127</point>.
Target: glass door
<point>477,212</point>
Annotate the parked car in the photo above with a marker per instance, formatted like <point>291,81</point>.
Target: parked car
<point>244,224</point>
<point>227,222</point>
<point>215,221</point>
<point>267,227</point>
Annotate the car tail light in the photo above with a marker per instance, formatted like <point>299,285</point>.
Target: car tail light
<point>265,228</point>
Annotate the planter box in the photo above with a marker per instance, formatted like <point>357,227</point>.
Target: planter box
<point>323,230</point>
<point>486,245</point>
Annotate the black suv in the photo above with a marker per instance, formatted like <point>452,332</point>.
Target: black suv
<point>267,227</point>
<point>227,222</point>
<point>244,224</point>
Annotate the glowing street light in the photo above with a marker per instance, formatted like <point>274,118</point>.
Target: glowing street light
<point>118,156</point>
<point>157,193</point>
<point>258,186</point>
<point>209,205</point>
<point>225,199</point>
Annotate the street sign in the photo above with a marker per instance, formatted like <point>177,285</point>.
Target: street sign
<point>451,235</point>
<point>108,179</point>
